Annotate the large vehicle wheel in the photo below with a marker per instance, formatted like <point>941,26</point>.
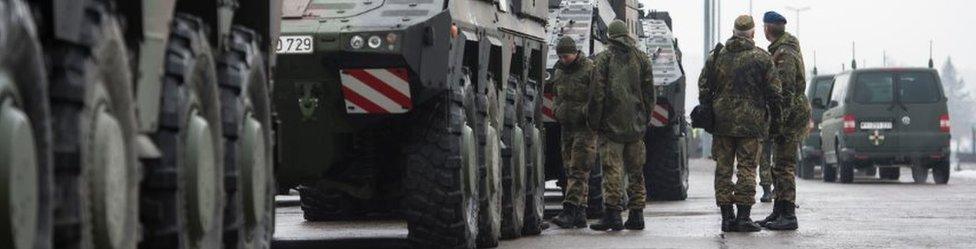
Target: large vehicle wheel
<point>890,173</point>
<point>940,172</point>
<point>441,177</point>
<point>535,182</point>
<point>246,112</point>
<point>666,167</point>
<point>489,163</point>
<point>920,173</point>
<point>91,102</point>
<point>513,164</point>
<point>26,169</point>
<point>846,169</point>
<point>182,205</point>
<point>829,171</point>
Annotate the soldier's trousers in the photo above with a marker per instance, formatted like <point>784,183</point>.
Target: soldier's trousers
<point>765,163</point>
<point>623,160</point>
<point>579,152</point>
<point>735,154</point>
<point>784,172</point>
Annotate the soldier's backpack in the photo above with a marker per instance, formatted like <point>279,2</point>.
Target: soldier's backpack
<point>703,116</point>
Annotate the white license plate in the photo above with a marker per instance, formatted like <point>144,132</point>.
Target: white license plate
<point>295,45</point>
<point>875,125</point>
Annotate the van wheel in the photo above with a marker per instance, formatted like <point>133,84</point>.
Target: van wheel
<point>828,171</point>
<point>846,171</point>
<point>183,193</point>
<point>940,172</point>
<point>920,173</point>
<point>891,173</point>
<point>26,185</point>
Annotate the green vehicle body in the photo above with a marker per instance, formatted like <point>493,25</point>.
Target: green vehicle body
<point>811,154</point>
<point>150,122</point>
<point>868,126</point>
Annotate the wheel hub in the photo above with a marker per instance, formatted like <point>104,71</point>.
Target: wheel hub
<point>469,173</point>
<point>200,175</point>
<point>255,168</point>
<point>18,179</point>
<point>110,181</point>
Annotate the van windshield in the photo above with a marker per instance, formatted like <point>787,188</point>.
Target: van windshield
<point>913,87</point>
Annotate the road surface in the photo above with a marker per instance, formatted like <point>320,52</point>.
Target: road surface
<point>869,213</point>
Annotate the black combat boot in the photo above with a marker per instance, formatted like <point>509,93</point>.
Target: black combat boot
<point>571,217</point>
<point>728,218</point>
<point>787,217</point>
<point>767,194</point>
<point>594,212</point>
<point>611,221</point>
<point>777,210</point>
<point>743,223</point>
<point>635,220</point>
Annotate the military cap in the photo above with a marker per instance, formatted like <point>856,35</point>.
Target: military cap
<point>617,29</point>
<point>773,17</point>
<point>566,45</point>
<point>744,23</point>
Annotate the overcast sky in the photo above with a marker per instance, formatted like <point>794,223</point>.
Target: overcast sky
<point>903,28</point>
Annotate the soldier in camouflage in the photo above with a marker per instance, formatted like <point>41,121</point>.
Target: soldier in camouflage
<point>765,171</point>
<point>571,82</point>
<point>622,97</point>
<point>796,113</point>
<point>745,97</point>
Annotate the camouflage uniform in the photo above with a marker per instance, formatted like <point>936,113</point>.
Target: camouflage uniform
<point>622,96</point>
<point>744,96</point>
<point>765,163</point>
<point>796,115</point>
<point>571,84</point>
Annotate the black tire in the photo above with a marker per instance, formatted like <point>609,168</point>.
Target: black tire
<point>940,172</point>
<point>920,173</point>
<point>442,197</point>
<point>326,204</point>
<point>666,167</point>
<point>21,62</point>
<point>513,164</point>
<point>190,97</point>
<point>489,163</point>
<point>806,165</point>
<point>846,170</point>
<point>92,106</point>
<point>829,172</point>
<point>535,182</point>
<point>890,173</point>
<point>246,113</point>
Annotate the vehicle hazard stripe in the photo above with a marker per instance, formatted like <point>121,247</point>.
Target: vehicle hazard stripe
<point>355,99</point>
<point>383,87</point>
<point>547,106</point>
<point>659,116</point>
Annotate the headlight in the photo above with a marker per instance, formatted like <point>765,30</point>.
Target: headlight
<point>375,41</point>
<point>356,42</point>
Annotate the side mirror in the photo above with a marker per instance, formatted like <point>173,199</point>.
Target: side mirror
<point>818,103</point>
<point>833,103</point>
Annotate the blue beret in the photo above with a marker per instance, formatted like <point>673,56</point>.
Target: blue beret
<point>773,17</point>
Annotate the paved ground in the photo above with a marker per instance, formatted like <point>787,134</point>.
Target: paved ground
<point>869,213</point>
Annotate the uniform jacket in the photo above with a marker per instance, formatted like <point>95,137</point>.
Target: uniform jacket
<point>745,95</point>
<point>789,65</point>
<point>622,92</point>
<point>571,83</point>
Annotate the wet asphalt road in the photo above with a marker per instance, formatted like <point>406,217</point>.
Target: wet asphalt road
<point>867,214</point>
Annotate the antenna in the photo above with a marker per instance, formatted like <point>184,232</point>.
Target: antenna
<point>931,63</point>
<point>853,56</point>
<point>814,62</point>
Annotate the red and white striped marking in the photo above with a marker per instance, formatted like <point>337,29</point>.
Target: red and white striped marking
<point>547,110</point>
<point>376,91</point>
<point>659,117</point>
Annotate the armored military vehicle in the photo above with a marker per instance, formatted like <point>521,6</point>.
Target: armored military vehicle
<point>811,154</point>
<point>422,109</point>
<point>586,22</point>
<point>881,119</point>
<point>666,170</point>
<point>136,123</point>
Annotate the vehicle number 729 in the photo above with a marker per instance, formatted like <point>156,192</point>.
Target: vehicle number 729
<point>295,45</point>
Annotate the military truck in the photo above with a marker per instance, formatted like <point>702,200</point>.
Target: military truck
<point>129,124</point>
<point>666,170</point>
<point>426,110</point>
<point>586,22</point>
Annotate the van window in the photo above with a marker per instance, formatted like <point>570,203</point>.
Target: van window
<point>874,88</point>
<point>839,90</point>
<point>821,89</point>
<point>918,88</point>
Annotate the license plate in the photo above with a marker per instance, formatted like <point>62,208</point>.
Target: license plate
<point>876,125</point>
<point>295,45</point>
